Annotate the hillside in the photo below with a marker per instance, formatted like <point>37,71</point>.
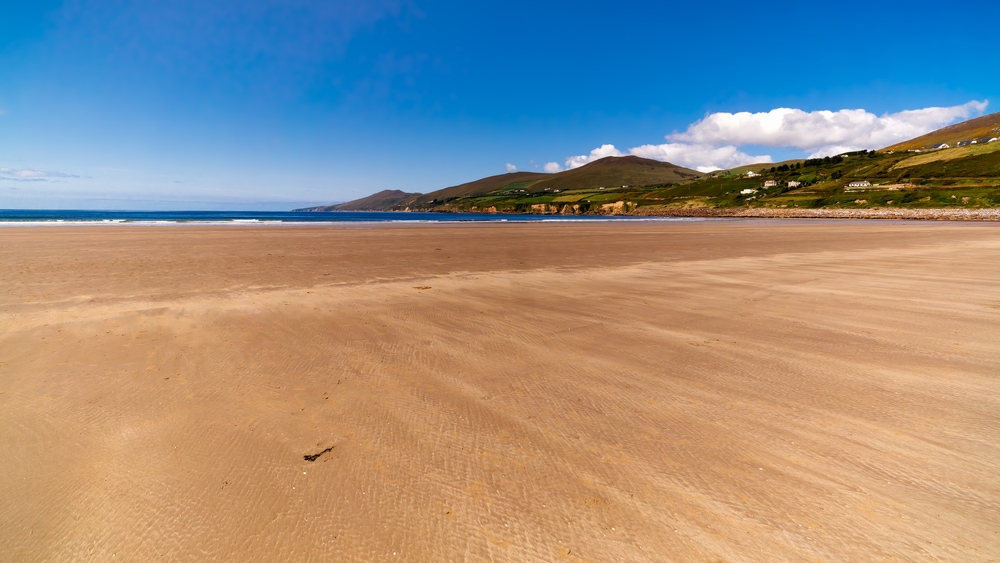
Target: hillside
<point>615,172</point>
<point>611,172</point>
<point>978,129</point>
<point>966,177</point>
<point>960,178</point>
<point>375,202</point>
<point>606,173</point>
<point>479,187</point>
<point>757,167</point>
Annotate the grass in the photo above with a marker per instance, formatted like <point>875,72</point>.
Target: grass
<point>966,177</point>
<point>956,153</point>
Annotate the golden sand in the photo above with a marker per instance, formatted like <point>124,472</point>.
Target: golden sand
<point>716,391</point>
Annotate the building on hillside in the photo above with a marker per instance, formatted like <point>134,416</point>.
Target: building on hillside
<point>794,184</point>
<point>941,146</point>
<point>752,174</point>
<point>993,139</point>
<point>860,184</point>
<point>770,184</point>
<point>965,143</point>
<point>748,191</point>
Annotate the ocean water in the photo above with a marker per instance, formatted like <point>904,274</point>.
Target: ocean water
<point>22,217</point>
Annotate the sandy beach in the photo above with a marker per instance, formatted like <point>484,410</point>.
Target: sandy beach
<point>741,390</point>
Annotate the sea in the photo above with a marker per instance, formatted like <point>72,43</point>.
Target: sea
<point>46,217</point>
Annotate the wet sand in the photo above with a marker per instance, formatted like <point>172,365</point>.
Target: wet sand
<point>715,391</point>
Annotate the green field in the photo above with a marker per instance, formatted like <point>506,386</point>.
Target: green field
<point>963,177</point>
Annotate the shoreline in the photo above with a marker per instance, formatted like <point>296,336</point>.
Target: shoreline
<point>455,216</point>
<point>938,214</point>
<point>900,213</point>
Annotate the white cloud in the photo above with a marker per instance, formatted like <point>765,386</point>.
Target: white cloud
<point>511,167</point>
<point>552,167</point>
<point>703,158</point>
<point>822,132</point>
<point>29,175</point>
<point>596,154</point>
<point>714,142</point>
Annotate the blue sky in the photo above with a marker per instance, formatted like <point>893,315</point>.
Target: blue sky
<point>257,104</point>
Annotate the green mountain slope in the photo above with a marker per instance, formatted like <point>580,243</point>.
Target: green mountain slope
<point>376,202</point>
<point>615,172</point>
<point>978,129</point>
<point>894,178</point>
<point>478,187</point>
<point>608,173</point>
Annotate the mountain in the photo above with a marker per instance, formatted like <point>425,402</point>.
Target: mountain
<point>978,129</point>
<point>384,199</point>
<point>610,172</point>
<point>618,171</point>
<point>905,176</point>
<point>480,187</point>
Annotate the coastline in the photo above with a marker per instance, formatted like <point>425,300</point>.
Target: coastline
<point>935,214</point>
<point>883,213</point>
<point>622,211</point>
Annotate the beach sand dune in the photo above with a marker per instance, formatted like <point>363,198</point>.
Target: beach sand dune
<point>713,391</point>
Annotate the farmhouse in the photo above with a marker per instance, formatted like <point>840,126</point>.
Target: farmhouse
<point>752,174</point>
<point>748,191</point>
<point>770,184</point>
<point>794,184</point>
<point>860,184</point>
<point>942,146</point>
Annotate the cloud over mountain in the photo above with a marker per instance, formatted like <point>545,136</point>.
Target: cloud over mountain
<point>701,157</point>
<point>596,154</point>
<point>714,142</point>
<point>815,131</point>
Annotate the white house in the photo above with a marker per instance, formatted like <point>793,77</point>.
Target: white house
<point>993,139</point>
<point>752,174</point>
<point>748,191</point>
<point>770,184</point>
<point>860,184</point>
<point>794,184</point>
